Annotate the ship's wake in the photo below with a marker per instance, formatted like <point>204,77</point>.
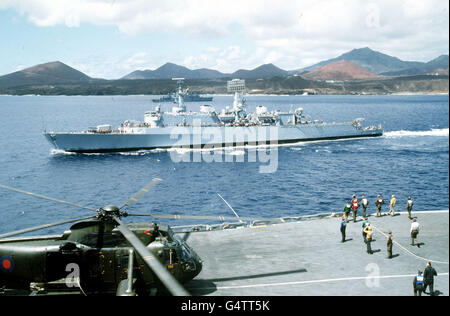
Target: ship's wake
<point>403,133</point>
<point>60,152</point>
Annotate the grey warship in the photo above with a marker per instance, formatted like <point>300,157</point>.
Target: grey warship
<point>232,126</point>
<point>187,96</point>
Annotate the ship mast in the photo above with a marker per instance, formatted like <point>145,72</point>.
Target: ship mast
<point>238,87</point>
<point>180,100</point>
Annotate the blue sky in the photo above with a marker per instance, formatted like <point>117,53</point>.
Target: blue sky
<point>111,38</point>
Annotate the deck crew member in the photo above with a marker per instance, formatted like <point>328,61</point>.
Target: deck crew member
<point>355,205</point>
<point>418,283</point>
<point>369,232</point>
<point>409,206</point>
<point>392,205</point>
<point>379,202</point>
<point>364,224</point>
<point>428,276</point>
<point>415,228</point>
<point>343,228</point>
<point>364,203</point>
<point>347,209</point>
<point>389,245</point>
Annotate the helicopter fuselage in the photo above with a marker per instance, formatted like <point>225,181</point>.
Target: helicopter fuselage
<point>95,258</point>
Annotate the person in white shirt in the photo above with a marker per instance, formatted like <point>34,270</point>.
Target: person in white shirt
<point>409,206</point>
<point>415,227</point>
<point>364,203</point>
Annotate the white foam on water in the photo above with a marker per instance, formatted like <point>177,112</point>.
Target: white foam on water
<point>403,133</point>
<point>235,152</point>
<point>134,153</point>
<point>57,152</point>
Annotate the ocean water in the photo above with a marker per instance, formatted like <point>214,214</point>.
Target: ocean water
<point>411,159</point>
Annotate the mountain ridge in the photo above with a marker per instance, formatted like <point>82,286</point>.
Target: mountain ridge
<point>170,70</point>
<point>373,61</point>
<point>54,72</point>
<point>339,70</point>
<point>58,73</point>
<point>439,63</point>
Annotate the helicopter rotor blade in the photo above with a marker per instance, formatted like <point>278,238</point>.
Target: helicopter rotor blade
<point>141,192</point>
<point>31,229</point>
<point>46,197</point>
<point>153,263</point>
<point>212,218</point>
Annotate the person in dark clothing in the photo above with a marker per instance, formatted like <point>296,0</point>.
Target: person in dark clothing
<point>389,246</point>
<point>418,283</point>
<point>379,202</point>
<point>153,232</point>
<point>409,206</point>
<point>347,209</point>
<point>428,276</point>
<point>343,228</point>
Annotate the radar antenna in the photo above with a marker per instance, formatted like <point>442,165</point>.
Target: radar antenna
<point>238,87</point>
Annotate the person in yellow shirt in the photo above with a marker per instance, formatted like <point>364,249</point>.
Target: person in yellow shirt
<point>392,205</point>
<point>369,232</point>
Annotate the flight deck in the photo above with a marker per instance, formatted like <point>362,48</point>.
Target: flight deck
<point>307,258</point>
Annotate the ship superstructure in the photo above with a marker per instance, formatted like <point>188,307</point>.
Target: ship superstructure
<point>232,126</point>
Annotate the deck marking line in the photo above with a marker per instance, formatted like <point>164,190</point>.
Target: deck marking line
<point>313,281</point>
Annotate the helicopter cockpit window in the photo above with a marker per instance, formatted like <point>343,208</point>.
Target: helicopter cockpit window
<point>110,240</point>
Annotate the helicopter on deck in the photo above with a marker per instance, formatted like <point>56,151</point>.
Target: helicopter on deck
<point>98,255</point>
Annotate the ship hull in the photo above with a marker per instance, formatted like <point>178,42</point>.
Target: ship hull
<point>202,137</point>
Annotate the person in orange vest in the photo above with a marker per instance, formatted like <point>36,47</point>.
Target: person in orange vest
<point>355,205</point>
